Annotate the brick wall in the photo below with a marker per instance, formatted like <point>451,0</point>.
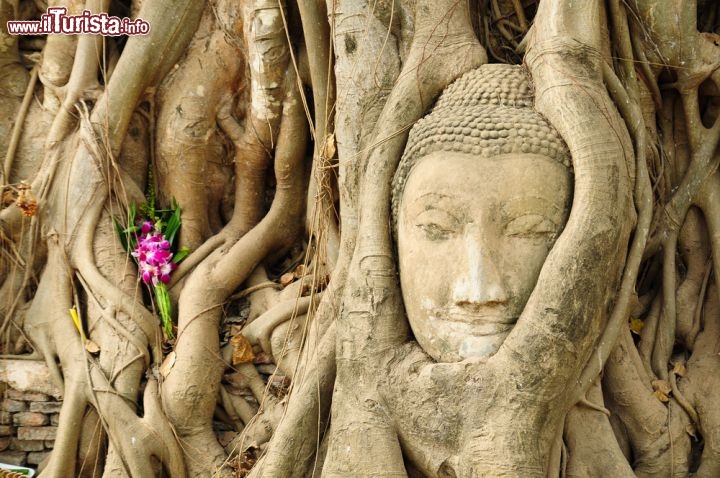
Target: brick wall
<point>28,424</point>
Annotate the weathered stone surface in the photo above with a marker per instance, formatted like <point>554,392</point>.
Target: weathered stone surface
<point>12,457</point>
<point>27,445</point>
<point>6,418</point>
<point>46,407</point>
<point>50,444</point>
<point>37,433</point>
<point>4,443</point>
<point>12,406</point>
<point>6,430</point>
<point>27,396</point>
<point>29,376</point>
<point>55,419</point>
<point>30,419</point>
<point>37,457</point>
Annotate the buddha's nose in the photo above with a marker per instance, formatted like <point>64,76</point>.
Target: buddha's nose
<point>479,282</point>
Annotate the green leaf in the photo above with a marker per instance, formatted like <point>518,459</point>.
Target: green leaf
<point>180,255</point>
<point>132,212</point>
<point>122,235</point>
<point>173,225</point>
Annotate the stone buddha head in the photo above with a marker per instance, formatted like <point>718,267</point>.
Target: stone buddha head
<point>481,193</point>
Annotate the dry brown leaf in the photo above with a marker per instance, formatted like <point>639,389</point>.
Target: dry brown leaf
<point>26,200</point>
<point>662,390</point>
<point>242,350</point>
<point>8,197</point>
<point>679,369</point>
<point>286,279</point>
<point>330,149</point>
<point>92,347</point>
<point>661,396</point>
<point>636,325</point>
<point>167,364</point>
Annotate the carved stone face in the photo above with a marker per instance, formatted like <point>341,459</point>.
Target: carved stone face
<point>473,234</point>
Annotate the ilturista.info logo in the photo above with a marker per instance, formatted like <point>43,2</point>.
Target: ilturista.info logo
<point>57,22</point>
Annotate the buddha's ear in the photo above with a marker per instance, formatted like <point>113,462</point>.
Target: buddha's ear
<point>565,313</point>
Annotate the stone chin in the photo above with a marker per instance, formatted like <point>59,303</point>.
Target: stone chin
<point>448,341</point>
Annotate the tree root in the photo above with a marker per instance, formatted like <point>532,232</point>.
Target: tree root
<point>307,415</point>
<point>260,330</point>
<point>631,398</point>
<point>18,127</point>
<point>187,140</point>
<point>592,448</point>
<point>443,48</point>
<point>189,385</point>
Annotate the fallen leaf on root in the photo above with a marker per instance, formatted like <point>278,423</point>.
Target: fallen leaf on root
<point>329,147</point>
<point>286,279</point>
<point>636,325</point>
<point>8,198</point>
<point>679,369</point>
<point>26,200</point>
<point>242,350</point>
<point>167,364</point>
<point>92,347</point>
<point>662,390</point>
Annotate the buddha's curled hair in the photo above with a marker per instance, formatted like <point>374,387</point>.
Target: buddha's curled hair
<point>486,112</point>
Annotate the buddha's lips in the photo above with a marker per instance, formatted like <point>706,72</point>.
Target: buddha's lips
<point>476,318</point>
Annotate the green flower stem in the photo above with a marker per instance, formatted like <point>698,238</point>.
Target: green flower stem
<point>165,308</point>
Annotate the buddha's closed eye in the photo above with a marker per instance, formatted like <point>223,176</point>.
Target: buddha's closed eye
<point>437,224</point>
<point>531,226</point>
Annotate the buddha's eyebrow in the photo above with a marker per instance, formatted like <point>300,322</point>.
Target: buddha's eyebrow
<point>433,196</point>
<point>533,203</point>
<point>430,201</point>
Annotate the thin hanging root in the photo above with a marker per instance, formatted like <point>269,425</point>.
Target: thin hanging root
<point>92,446</point>
<point>322,221</point>
<point>18,126</point>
